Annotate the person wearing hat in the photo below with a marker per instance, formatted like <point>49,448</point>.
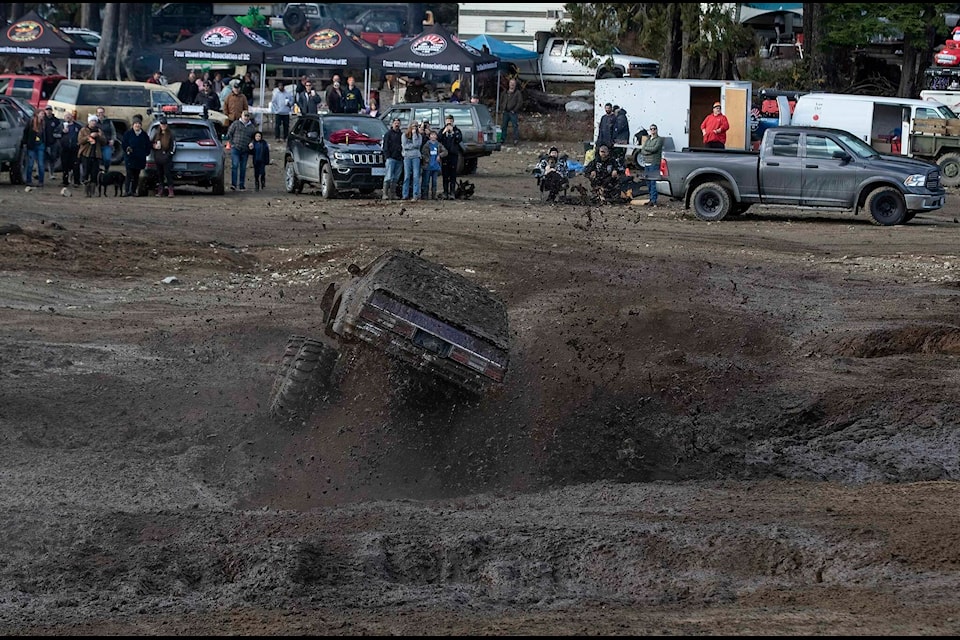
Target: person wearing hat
<point>136,146</point>
<point>452,138</point>
<point>235,104</point>
<point>714,128</point>
<point>90,150</point>
<point>240,137</point>
<point>164,145</point>
<point>605,173</point>
<point>553,174</point>
<point>69,144</point>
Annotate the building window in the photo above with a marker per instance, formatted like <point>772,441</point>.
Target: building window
<point>505,26</point>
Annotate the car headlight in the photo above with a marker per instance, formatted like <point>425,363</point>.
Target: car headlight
<point>916,180</point>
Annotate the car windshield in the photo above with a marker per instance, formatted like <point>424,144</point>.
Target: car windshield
<point>371,127</point>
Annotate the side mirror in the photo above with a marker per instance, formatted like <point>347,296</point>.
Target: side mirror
<point>842,155</point>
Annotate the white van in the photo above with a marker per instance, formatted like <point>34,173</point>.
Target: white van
<point>879,121</point>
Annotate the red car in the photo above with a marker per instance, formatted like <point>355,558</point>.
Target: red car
<point>30,88</point>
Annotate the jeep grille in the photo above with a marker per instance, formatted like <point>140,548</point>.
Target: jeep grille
<point>367,158</point>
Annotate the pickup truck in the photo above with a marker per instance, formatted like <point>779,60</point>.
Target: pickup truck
<point>559,62</point>
<point>803,167</point>
<point>418,314</point>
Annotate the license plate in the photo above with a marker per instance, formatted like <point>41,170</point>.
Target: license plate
<point>179,166</point>
<point>379,171</point>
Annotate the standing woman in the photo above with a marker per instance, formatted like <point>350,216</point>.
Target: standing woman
<point>34,136</point>
<point>90,151</point>
<point>411,144</point>
<point>136,145</point>
<point>163,145</point>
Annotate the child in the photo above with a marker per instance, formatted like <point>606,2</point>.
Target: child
<point>432,152</point>
<point>260,151</point>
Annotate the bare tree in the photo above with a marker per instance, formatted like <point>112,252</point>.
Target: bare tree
<point>105,68</point>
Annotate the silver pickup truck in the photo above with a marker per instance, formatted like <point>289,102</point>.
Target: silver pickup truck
<point>803,167</point>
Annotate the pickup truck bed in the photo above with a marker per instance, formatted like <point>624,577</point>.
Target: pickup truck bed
<point>804,167</point>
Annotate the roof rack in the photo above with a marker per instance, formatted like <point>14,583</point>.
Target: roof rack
<point>183,110</point>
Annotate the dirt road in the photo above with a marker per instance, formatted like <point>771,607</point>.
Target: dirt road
<point>745,427</point>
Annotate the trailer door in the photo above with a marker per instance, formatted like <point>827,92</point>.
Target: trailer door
<point>736,102</point>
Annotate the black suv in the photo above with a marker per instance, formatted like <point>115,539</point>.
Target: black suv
<point>338,152</point>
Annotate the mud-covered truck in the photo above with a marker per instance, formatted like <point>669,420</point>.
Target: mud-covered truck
<point>803,167</point>
<point>418,313</point>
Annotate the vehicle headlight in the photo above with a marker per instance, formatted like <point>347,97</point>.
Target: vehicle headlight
<point>340,155</point>
<point>916,180</point>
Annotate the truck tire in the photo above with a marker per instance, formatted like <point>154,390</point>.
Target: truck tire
<point>328,187</point>
<point>293,346</point>
<point>949,164</point>
<point>306,378</point>
<point>886,206</point>
<point>16,168</point>
<point>294,19</point>
<point>290,181</point>
<point>605,73</point>
<point>711,202</point>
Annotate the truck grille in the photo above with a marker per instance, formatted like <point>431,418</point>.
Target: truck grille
<point>933,180</point>
<point>367,158</point>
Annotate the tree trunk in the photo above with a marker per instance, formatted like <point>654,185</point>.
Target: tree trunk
<point>813,25</point>
<point>690,29</point>
<point>673,38</point>
<point>90,16</point>
<point>105,68</point>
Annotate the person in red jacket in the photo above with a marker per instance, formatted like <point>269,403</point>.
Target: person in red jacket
<point>714,129</point>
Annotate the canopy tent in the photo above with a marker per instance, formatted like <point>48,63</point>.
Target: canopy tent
<point>435,49</point>
<point>506,51</point>
<point>31,35</point>
<point>328,46</point>
<point>229,41</point>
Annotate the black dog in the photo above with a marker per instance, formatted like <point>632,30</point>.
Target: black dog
<point>107,178</point>
<point>465,190</point>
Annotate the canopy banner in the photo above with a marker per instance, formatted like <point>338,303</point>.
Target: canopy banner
<point>207,54</point>
<point>332,62</point>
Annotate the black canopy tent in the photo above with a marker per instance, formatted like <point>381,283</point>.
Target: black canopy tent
<point>437,50</point>
<point>328,46</point>
<point>32,36</point>
<point>226,41</point>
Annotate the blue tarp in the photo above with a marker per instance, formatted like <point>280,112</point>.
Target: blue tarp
<point>503,50</point>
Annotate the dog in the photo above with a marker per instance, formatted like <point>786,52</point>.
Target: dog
<point>107,178</point>
<point>465,190</point>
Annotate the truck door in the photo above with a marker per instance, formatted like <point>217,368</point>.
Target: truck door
<point>827,180</point>
<point>780,164</point>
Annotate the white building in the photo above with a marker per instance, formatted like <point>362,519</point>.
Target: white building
<point>516,24</point>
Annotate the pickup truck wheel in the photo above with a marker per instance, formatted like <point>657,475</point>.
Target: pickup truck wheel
<point>289,353</point>
<point>949,164</point>
<point>328,188</point>
<point>294,20</point>
<point>886,206</point>
<point>308,377</point>
<point>711,202</point>
<point>290,181</point>
<point>603,74</point>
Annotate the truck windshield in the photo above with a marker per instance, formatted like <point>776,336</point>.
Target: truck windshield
<point>860,148</point>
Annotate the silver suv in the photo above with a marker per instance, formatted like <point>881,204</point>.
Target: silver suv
<point>199,159</point>
<point>481,135</point>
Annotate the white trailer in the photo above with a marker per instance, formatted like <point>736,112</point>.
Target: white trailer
<point>677,107</point>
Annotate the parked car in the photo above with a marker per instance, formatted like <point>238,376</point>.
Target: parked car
<point>199,159</point>
<point>13,121</point>
<point>481,135</point>
<point>320,151</point>
<point>121,100</point>
<point>35,89</point>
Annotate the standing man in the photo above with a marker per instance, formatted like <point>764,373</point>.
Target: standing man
<point>69,144</point>
<point>164,146</point>
<point>334,96</point>
<point>451,138</point>
<point>393,153</point>
<point>352,99</point>
<point>136,146</point>
<point>281,103</point>
<point>605,129</point>
<point>53,134</point>
<point>109,136</point>
<point>308,100</point>
<point>189,90</point>
<point>512,103</point>
<point>651,152</point>
<point>234,106</point>
<point>714,129</point>
<point>240,135</point>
